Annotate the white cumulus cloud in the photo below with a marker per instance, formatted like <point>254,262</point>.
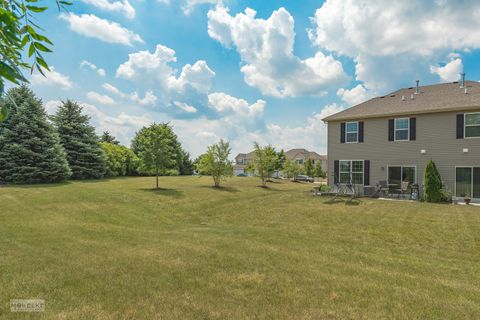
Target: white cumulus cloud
<point>354,96</point>
<point>392,42</point>
<point>266,50</point>
<point>124,7</point>
<point>449,72</point>
<point>87,64</point>
<point>52,78</point>
<point>94,27</point>
<point>100,98</point>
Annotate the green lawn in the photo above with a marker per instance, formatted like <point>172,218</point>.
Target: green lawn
<point>117,249</point>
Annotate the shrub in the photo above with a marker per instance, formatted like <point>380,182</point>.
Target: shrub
<point>432,183</point>
<point>121,161</point>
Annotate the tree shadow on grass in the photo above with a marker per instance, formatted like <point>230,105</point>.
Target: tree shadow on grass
<point>36,185</point>
<point>346,201</point>
<point>173,193</point>
<point>221,188</point>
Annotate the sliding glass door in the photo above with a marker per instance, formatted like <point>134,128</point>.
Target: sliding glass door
<point>467,182</point>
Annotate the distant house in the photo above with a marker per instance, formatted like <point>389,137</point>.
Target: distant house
<point>299,155</point>
<point>302,155</point>
<point>390,139</point>
<point>242,160</point>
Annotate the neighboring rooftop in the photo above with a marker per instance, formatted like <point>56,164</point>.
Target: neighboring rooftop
<point>290,154</point>
<point>433,98</point>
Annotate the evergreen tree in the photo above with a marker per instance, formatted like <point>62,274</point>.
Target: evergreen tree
<point>319,173</point>
<point>432,191</point>
<point>85,157</point>
<point>186,166</point>
<point>309,168</point>
<point>30,150</point>
<point>108,138</point>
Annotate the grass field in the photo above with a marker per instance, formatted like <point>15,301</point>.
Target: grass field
<point>117,249</point>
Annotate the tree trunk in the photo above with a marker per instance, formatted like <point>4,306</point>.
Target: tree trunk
<point>157,177</point>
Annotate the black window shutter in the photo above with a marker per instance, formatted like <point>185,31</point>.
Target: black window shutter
<point>366,172</point>
<point>413,128</point>
<point>391,129</point>
<point>460,119</point>
<point>336,171</point>
<point>360,131</point>
<point>342,132</point>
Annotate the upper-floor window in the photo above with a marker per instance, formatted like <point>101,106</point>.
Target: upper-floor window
<point>402,129</point>
<point>299,161</point>
<point>239,161</point>
<point>472,125</point>
<point>351,131</point>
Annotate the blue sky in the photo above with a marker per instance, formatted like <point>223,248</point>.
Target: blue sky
<point>247,71</point>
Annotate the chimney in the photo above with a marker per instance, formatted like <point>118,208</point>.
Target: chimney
<point>417,91</point>
<point>462,83</point>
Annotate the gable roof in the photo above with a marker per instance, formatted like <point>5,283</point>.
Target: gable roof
<point>433,98</point>
<point>291,154</point>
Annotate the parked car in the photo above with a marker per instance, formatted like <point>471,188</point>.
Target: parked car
<point>304,178</point>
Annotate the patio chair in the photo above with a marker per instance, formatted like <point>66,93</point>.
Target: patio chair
<point>403,188</point>
<point>382,188</point>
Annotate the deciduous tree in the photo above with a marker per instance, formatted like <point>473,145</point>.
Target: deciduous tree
<point>121,161</point>
<point>156,147</point>
<point>293,169</point>
<point>264,162</point>
<point>215,162</point>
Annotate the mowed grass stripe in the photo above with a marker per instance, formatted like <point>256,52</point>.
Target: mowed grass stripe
<point>118,249</point>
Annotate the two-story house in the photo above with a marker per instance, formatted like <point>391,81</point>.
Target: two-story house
<point>242,160</point>
<point>299,155</point>
<point>391,138</point>
<point>302,155</point>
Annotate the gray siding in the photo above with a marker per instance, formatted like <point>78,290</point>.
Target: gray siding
<point>436,133</point>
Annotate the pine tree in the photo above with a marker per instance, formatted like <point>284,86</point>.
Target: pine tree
<point>84,154</point>
<point>30,150</point>
<point>107,137</point>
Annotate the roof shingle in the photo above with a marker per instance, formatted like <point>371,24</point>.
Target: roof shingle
<point>433,98</point>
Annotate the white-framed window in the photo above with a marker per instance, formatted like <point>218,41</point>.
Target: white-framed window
<point>472,125</point>
<point>299,161</point>
<point>351,171</point>
<point>351,132</point>
<point>402,129</point>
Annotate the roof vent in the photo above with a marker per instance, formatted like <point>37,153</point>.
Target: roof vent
<point>417,90</point>
<point>403,98</point>
<point>412,97</point>
<point>462,83</point>
<point>466,90</point>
